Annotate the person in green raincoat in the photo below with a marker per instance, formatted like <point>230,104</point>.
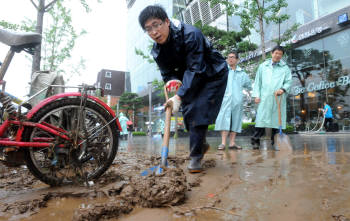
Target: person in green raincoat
<point>273,77</point>
<point>160,126</point>
<point>122,120</point>
<point>229,120</point>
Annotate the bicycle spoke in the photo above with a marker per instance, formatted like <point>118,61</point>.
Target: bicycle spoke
<point>76,161</point>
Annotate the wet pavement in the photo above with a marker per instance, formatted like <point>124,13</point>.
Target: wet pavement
<point>311,183</point>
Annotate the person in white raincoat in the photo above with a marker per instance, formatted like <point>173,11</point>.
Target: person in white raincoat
<point>273,77</point>
<point>122,120</point>
<point>229,119</point>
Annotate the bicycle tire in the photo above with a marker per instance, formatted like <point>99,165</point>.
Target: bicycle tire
<point>61,105</point>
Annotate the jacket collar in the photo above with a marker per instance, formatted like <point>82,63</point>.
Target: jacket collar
<point>238,68</point>
<point>281,63</point>
<point>174,35</point>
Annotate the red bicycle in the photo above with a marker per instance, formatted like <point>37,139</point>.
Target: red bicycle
<point>66,138</point>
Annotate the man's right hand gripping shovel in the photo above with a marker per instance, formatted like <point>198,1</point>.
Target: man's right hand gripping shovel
<point>172,105</point>
<point>174,102</point>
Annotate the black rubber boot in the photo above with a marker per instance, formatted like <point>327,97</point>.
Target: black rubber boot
<point>195,165</point>
<point>205,148</point>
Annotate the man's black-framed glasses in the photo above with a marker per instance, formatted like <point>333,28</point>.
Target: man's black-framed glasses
<point>154,26</point>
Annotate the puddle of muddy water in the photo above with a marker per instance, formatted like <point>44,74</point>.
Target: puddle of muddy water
<point>309,184</point>
<point>62,209</point>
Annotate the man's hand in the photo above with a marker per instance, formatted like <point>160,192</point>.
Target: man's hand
<point>279,92</point>
<point>175,103</point>
<point>257,100</point>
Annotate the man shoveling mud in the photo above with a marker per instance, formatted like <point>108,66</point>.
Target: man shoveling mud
<point>183,53</point>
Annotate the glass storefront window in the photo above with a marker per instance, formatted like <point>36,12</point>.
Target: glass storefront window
<point>337,60</point>
<point>321,72</point>
<point>307,65</point>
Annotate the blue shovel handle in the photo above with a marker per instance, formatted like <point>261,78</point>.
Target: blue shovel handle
<point>164,161</point>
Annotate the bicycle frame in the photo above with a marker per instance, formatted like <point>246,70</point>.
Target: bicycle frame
<point>22,124</point>
<point>65,138</point>
<point>44,126</point>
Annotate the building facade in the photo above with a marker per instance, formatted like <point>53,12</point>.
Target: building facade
<point>320,64</point>
<point>113,83</point>
<point>141,71</point>
<point>319,60</point>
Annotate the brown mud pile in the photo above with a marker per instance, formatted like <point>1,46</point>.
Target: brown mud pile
<point>122,187</point>
<point>169,188</point>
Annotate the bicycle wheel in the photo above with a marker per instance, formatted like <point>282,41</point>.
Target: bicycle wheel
<point>89,153</point>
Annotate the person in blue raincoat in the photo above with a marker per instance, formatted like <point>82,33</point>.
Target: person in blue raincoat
<point>327,112</point>
<point>122,120</point>
<point>273,77</point>
<point>229,120</point>
<point>183,53</point>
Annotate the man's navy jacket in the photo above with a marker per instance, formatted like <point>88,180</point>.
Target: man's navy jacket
<point>189,57</point>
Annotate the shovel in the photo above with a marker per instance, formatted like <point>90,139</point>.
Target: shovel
<point>282,141</point>
<point>165,146</point>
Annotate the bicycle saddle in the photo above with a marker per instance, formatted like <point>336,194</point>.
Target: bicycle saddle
<point>19,39</point>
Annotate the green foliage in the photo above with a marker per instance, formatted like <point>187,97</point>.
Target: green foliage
<point>286,36</point>
<point>226,41</point>
<point>59,40</point>
<point>158,86</point>
<point>148,58</point>
<point>246,125</point>
<point>139,133</point>
<point>211,127</point>
<point>59,37</point>
<point>255,14</point>
<point>289,128</point>
<point>130,101</point>
<point>26,26</point>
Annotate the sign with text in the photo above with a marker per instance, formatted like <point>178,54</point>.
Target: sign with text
<point>312,86</point>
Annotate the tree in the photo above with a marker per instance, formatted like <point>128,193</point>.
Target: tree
<point>255,14</point>
<point>43,8</point>
<point>226,41</point>
<point>278,18</point>
<point>158,86</point>
<point>59,36</point>
<point>60,40</point>
<point>130,102</point>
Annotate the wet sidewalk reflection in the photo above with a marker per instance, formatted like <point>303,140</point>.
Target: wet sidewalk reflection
<point>331,146</point>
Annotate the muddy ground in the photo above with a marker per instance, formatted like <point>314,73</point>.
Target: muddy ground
<point>236,185</point>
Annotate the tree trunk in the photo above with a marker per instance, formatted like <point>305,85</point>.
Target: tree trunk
<point>262,37</point>
<point>38,29</point>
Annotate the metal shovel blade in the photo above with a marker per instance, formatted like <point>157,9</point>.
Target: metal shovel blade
<point>282,142</point>
<point>165,148</point>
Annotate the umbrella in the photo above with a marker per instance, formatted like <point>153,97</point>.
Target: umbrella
<point>129,122</point>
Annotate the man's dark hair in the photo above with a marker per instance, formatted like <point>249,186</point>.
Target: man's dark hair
<point>278,48</point>
<point>152,11</point>
<point>235,53</point>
